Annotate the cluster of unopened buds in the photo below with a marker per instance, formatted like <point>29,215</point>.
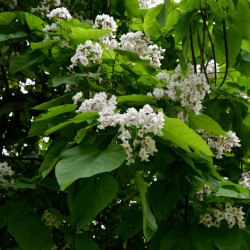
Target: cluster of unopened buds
<point>50,220</point>
<point>145,121</point>
<point>189,88</point>
<point>221,144</point>
<point>200,194</point>
<point>245,180</point>
<point>6,172</point>
<point>87,53</point>
<point>233,216</point>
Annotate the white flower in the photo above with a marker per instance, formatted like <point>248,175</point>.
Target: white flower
<point>60,13</point>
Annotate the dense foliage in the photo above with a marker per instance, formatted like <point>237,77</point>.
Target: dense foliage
<point>128,130</point>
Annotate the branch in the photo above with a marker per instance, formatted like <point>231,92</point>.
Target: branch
<point>192,48</point>
<point>226,51</point>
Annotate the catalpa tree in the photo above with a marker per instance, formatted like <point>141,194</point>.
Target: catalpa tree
<point>125,124</point>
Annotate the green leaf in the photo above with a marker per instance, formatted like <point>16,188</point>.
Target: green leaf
<point>132,7</point>
<point>23,61</point>
<point>29,231</point>
<point>245,55</point>
<point>205,122</point>
<point>34,22</point>
<point>19,34</point>
<point>85,161</point>
<point>55,128</point>
<point>232,190</point>
<point>241,19</point>
<point>82,35</point>
<point>136,100</point>
<point>149,222</point>
<point>227,239</point>
<point>54,102</point>
<point>151,26</point>
<point>82,117</point>
<point>90,196</point>
<point>6,18</point>
<point>147,82</point>
<point>44,44</point>
<point>131,225</point>
<point>53,155</point>
<point>163,198</point>
<point>58,110</point>
<point>178,132</point>
<point>58,80</point>
<point>162,16</point>
<point>172,17</point>
<point>83,243</point>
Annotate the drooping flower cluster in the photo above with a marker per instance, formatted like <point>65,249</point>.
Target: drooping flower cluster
<point>240,94</point>
<point>200,194</point>
<point>221,144</point>
<point>60,13</point>
<point>232,215</point>
<point>50,220</point>
<point>45,5</point>
<point>190,89</point>
<point>5,172</point>
<point>87,53</point>
<point>245,180</point>
<point>149,4</point>
<point>145,121</point>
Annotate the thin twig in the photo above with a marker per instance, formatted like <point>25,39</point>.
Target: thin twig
<point>192,48</point>
<point>226,51</point>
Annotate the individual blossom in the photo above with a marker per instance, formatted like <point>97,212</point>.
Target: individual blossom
<point>76,98</point>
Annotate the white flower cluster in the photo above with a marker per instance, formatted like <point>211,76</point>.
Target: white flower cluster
<point>45,5</point>
<point>200,194</point>
<point>50,220</point>
<point>76,98</point>
<point>53,26</point>
<point>220,143</point>
<point>190,89</point>
<point>232,215</point>
<point>149,4</point>
<point>5,171</point>
<point>210,69</point>
<point>141,45</point>
<point>245,180</point>
<point>105,22</point>
<point>60,13</point>
<point>86,53</point>
<point>145,121</point>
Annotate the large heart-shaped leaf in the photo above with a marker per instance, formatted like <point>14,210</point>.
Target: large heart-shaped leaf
<point>87,160</point>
